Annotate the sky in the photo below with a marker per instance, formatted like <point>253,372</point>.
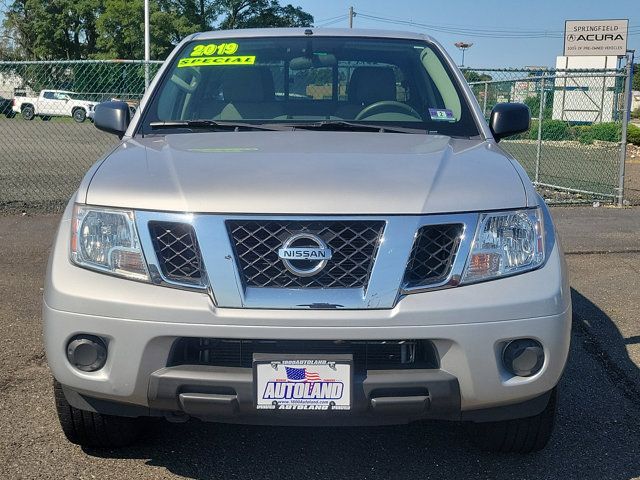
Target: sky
<point>485,15</point>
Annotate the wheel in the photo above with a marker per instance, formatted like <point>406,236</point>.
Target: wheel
<point>28,113</point>
<point>79,115</point>
<point>522,435</point>
<point>90,429</point>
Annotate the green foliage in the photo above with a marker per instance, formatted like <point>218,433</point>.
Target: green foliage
<point>554,130</point>
<point>604,132</point>
<point>80,29</point>
<point>57,29</point>
<point>261,13</point>
<point>473,76</point>
<point>559,131</point>
<point>533,102</point>
<point>633,134</point>
<point>636,77</point>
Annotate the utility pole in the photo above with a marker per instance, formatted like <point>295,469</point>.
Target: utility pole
<point>351,15</point>
<point>147,46</point>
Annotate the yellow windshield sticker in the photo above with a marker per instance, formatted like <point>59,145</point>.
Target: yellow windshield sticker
<point>214,49</point>
<point>214,61</point>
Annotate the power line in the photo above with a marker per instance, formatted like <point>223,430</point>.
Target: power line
<point>463,31</point>
<point>466,28</point>
<point>331,18</point>
<point>478,32</point>
<point>339,19</point>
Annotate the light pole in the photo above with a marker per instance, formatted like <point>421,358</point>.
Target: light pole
<point>463,46</point>
<point>147,44</point>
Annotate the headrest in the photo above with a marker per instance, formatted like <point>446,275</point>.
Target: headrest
<point>248,84</point>
<point>371,84</point>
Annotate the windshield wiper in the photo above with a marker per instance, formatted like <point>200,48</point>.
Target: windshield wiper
<point>213,125</point>
<point>337,125</point>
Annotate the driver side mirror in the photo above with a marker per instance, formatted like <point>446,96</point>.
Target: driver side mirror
<point>509,119</point>
<point>112,117</point>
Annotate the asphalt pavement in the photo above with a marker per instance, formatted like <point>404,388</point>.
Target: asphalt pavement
<point>597,433</point>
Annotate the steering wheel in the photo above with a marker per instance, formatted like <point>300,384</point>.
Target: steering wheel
<point>386,106</point>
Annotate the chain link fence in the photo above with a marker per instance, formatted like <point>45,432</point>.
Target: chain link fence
<point>47,141</point>
<point>574,149</point>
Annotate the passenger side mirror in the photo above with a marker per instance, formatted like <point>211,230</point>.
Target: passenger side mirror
<point>112,117</point>
<point>509,119</point>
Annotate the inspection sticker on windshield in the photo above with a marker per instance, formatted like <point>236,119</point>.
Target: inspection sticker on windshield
<point>441,115</point>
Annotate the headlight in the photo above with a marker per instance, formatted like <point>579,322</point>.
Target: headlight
<point>106,240</point>
<point>505,243</point>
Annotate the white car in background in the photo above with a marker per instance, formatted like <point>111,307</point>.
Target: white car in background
<point>54,103</point>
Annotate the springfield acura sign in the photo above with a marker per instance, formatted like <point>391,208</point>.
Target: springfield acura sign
<point>595,37</point>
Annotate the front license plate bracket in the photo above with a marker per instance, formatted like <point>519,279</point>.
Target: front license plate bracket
<point>301,382</point>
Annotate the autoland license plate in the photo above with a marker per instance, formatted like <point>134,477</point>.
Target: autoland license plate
<point>303,383</point>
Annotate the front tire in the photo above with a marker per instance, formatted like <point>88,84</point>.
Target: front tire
<point>89,429</point>
<point>522,435</point>
<point>28,113</point>
<point>79,115</point>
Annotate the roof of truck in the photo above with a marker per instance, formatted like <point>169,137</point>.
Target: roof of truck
<point>317,32</point>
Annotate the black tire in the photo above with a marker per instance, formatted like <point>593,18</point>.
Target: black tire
<point>28,113</point>
<point>95,430</point>
<point>79,115</point>
<point>10,114</point>
<point>523,435</point>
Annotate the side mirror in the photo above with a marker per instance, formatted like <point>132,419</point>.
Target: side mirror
<point>112,117</point>
<point>509,119</point>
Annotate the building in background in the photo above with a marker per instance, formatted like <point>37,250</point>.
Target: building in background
<point>523,89</point>
<point>583,97</point>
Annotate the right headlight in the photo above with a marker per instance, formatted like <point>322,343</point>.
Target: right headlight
<point>505,243</point>
<point>106,240</point>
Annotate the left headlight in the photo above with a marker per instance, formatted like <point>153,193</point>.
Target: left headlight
<point>506,243</point>
<point>106,240</point>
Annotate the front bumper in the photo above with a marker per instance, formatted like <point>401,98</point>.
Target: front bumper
<point>468,326</point>
<point>470,369</point>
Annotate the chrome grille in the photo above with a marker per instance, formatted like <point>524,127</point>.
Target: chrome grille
<point>354,245</point>
<point>432,255</point>
<point>177,251</point>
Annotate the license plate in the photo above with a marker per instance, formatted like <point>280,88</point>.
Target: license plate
<point>303,384</point>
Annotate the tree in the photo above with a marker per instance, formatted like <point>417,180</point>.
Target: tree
<point>78,29</point>
<point>261,13</point>
<point>57,29</point>
<point>473,76</point>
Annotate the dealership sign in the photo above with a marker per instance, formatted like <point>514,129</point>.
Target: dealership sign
<point>595,37</point>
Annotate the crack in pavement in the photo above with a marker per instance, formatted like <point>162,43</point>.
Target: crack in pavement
<point>597,351</point>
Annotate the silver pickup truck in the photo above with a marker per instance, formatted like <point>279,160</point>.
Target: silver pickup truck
<point>307,226</point>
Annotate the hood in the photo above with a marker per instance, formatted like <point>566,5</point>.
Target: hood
<point>307,172</point>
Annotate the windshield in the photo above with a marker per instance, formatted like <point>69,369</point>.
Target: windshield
<point>306,80</point>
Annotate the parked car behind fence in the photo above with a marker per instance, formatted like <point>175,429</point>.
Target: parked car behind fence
<point>52,103</point>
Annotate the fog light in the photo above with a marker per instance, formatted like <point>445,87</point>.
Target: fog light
<point>523,357</point>
<point>87,352</point>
